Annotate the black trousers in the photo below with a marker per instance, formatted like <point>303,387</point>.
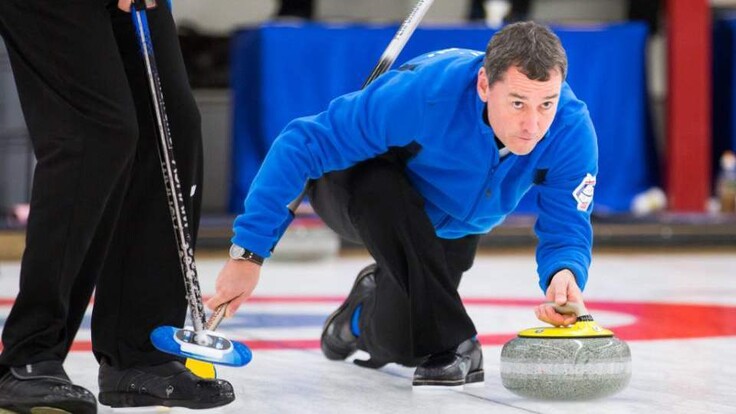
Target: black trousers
<point>416,310</point>
<point>99,215</point>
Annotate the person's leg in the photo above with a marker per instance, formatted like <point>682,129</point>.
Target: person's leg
<point>78,109</point>
<point>79,114</point>
<point>141,286</point>
<point>329,196</point>
<point>416,310</point>
<point>411,307</point>
<point>386,324</point>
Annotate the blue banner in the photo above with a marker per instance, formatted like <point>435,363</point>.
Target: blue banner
<point>284,71</point>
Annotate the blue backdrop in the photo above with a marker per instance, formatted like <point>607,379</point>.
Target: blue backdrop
<point>724,84</point>
<point>280,72</point>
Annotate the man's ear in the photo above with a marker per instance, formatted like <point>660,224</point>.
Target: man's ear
<point>482,85</point>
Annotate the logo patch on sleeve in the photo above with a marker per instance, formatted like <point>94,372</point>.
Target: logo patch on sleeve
<point>583,194</point>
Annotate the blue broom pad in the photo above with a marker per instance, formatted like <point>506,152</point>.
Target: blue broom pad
<point>223,351</point>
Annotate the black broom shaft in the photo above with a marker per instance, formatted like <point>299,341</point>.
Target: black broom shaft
<point>170,173</point>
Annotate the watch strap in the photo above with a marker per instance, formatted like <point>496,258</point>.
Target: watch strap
<point>251,257</point>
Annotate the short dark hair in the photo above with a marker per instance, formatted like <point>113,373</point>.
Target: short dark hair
<point>530,46</point>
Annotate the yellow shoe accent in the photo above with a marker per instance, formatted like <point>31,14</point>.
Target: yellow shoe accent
<point>201,369</point>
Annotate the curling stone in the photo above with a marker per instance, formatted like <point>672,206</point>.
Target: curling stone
<point>578,362</point>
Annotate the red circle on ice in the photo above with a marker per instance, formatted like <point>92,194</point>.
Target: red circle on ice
<point>652,321</point>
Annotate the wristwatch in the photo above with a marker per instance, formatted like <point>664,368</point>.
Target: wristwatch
<point>240,253</point>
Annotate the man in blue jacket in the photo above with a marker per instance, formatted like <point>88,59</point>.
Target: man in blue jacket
<point>418,165</point>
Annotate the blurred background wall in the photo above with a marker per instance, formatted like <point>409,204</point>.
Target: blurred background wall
<point>230,15</point>
<point>207,30</point>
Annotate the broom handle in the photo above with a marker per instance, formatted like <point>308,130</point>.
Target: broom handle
<point>174,192</point>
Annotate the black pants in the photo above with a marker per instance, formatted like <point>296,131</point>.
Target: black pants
<point>99,215</point>
<point>416,310</point>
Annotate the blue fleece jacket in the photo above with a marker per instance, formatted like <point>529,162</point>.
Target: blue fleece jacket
<point>432,101</point>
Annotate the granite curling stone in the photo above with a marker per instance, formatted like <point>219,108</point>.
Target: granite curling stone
<point>578,362</point>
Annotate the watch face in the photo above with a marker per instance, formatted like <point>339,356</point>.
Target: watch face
<point>236,252</point>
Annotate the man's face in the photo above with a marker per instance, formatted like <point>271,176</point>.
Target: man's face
<point>520,110</point>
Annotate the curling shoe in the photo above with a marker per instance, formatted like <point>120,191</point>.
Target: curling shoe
<point>43,387</point>
<point>170,384</point>
<point>454,368</point>
<point>338,341</point>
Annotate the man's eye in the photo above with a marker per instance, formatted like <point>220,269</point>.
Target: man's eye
<point>517,104</point>
<point>547,105</point>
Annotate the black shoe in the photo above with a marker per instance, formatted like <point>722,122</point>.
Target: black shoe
<point>43,387</point>
<point>457,367</point>
<point>338,341</point>
<point>170,384</point>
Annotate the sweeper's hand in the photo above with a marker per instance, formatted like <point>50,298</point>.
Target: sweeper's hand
<point>235,284</point>
<point>562,289</point>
